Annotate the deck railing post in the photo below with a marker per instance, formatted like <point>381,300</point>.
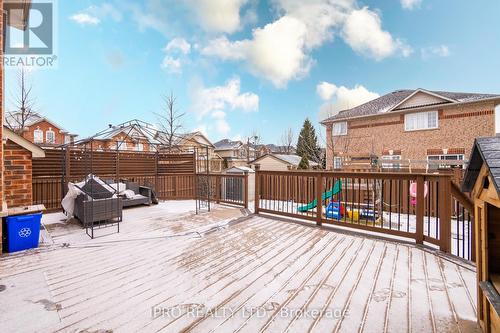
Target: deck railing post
<point>319,201</point>
<point>245,189</point>
<point>419,231</point>
<point>257,189</point>
<point>218,189</point>
<point>444,202</point>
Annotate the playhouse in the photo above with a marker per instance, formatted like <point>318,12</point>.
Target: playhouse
<point>482,181</point>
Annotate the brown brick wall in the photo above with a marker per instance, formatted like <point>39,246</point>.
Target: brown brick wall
<point>458,127</point>
<point>18,175</point>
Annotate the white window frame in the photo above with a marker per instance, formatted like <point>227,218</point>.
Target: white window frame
<point>121,144</point>
<point>38,136</point>
<point>442,157</point>
<point>391,158</point>
<point>337,162</point>
<point>139,147</point>
<point>339,129</point>
<point>416,122</point>
<point>52,133</point>
<point>67,139</point>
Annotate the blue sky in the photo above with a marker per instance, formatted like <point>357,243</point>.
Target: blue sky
<point>253,65</point>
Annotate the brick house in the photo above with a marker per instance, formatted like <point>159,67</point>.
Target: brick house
<point>39,130</point>
<point>234,152</point>
<point>419,128</point>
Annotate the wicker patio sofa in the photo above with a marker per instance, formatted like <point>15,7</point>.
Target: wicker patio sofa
<point>143,195</point>
<point>97,203</point>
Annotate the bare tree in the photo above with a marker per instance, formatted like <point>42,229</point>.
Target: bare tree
<point>170,120</point>
<point>253,141</point>
<point>286,141</point>
<point>24,105</point>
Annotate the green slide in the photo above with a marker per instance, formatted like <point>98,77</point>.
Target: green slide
<point>328,194</point>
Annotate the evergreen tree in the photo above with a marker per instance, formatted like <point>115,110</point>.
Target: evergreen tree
<point>307,144</point>
<point>304,163</point>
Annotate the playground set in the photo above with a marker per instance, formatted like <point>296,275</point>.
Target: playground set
<point>338,209</point>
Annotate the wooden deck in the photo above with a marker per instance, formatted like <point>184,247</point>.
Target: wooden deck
<point>256,275</point>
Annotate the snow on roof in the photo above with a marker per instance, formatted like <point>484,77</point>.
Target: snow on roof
<point>387,102</point>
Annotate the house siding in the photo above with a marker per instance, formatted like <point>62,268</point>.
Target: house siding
<point>269,163</point>
<point>458,127</point>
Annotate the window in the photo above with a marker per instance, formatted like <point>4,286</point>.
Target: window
<point>139,147</point>
<point>337,162</point>
<point>340,129</point>
<point>391,165</point>
<point>122,145</point>
<point>421,121</point>
<point>447,161</point>
<point>67,139</point>
<point>38,135</point>
<point>50,136</point>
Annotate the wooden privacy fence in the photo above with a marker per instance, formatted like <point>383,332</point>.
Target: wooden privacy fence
<point>171,175</point>
<point>427,208</point>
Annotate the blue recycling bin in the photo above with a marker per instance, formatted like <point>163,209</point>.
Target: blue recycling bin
<point>23,232</point>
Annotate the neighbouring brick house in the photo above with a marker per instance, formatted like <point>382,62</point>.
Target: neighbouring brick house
<point>423,129</point>
<point>39,130</point>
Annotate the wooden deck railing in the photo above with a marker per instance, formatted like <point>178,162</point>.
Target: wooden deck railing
<point>223,188</point>
<point>427,208</point>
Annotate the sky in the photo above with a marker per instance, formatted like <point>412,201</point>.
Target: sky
<point>237,67</point>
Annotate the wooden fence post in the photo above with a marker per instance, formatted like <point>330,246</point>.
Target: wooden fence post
<point>319,201</point>
<point>420,209</point>
<point>444,202</point>
<point>257,189</point>
<point>157,160</point>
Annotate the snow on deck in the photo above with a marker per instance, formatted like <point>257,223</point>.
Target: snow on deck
<point>163,272</point>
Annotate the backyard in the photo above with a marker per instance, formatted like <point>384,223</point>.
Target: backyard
<point>172,270</point>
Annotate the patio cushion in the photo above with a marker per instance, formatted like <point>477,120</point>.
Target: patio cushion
<point>95,190</point>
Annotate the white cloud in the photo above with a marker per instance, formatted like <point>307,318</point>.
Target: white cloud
<point>93,15</point>
<point>411,4</point>
<point>221,16</point>
<point>218,114</point>
<point>172,65</point>
<point>276,51</point>
<point>178,44</point>
<point>85,19</point>
<point>363,32</point>
<point>435,51</point>
<point>178,47</point>
<point>222,127</point>
<point>342,98</point>
<point>216,101</point>
<point>326,90</point>
<point>281,50</point>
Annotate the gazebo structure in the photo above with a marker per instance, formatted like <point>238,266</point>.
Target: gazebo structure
<point>136,152</point>
<point>482,180</point>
